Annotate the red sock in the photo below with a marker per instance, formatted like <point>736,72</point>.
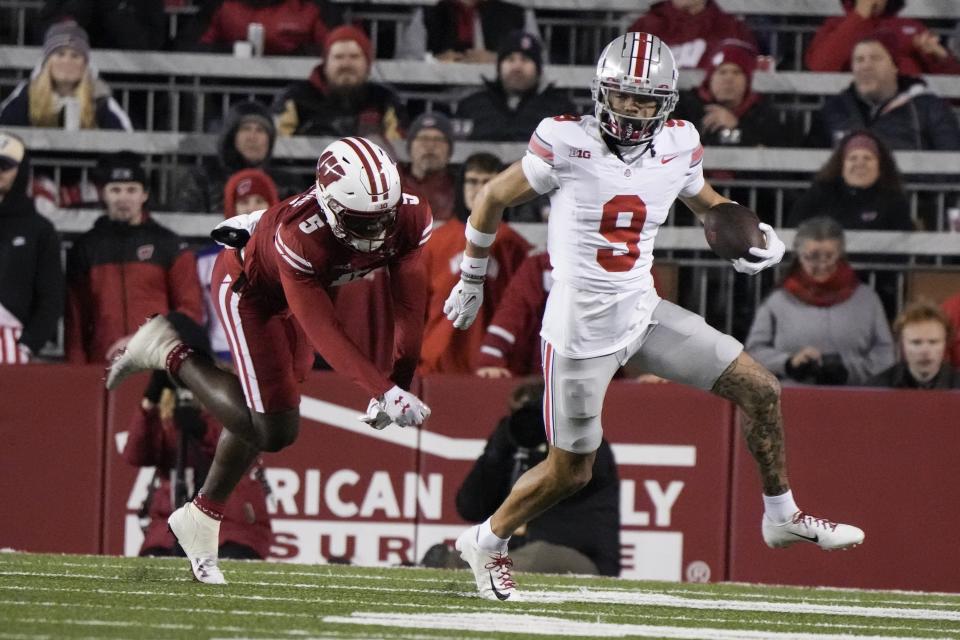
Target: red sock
<point>175,359</point>
<point>209,507</point>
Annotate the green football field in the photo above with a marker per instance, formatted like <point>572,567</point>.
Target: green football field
<point>52,596</point>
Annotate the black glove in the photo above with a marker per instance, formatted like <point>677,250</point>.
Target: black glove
<point>806,372</point>
<point>158,382</point>
<point>832,370</point>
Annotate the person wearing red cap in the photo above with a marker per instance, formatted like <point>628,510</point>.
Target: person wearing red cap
<point>914,48</point>
<point>290,27</point>
<point>899,109</point>
<point>692,28</point>
<point>726,109</point>
<point>339,99</point>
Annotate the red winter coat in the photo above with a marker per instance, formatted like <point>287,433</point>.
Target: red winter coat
<point>118,275</point>
<point>289,27</point>
<point>153,441</point>
<point>449,350</point>
<point>833,44</point>
<point>690,37</point>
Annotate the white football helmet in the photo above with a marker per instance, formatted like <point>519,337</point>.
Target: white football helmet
<point>640,64</point>
<point>358,189</point>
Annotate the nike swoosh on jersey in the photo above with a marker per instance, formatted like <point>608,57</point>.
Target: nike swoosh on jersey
<point>669,158</point>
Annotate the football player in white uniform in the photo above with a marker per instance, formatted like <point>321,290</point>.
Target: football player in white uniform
<point>612,179</point>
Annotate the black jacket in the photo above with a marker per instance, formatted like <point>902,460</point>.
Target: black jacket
<point>493,119</point>
<point>112,24</point>
<point>899,377</point>
<point>863,209</point>
<point>309,108</point>
<point>31,277</point>
<point>912,119</point>
<point>200,190</point>
<point>588,521</point>
<point>759,123</point>
<point>497,20</point>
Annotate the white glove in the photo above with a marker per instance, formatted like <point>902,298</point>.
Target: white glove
<point>396,406</point>
<point>374,416</point>
<point>463,303</point>
<point>768,257</point>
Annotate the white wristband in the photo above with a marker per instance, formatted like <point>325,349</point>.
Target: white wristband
<point>473,267</point>
<point>479,238</point>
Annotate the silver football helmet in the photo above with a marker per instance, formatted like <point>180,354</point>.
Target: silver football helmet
<point>639,64</point>
<point>358,190</point>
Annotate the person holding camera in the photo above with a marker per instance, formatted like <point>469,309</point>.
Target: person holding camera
<point>581,534</point>
<point>822,326</point>
<point>172,432</point>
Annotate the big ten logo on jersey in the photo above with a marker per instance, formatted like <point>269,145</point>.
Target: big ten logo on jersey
<point>493,267</point>
<point>362,516</point>
<point>580,153</point>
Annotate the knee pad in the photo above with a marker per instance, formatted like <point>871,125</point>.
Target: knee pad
<point>580,398</point>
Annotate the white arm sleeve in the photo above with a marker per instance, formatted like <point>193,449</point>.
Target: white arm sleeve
<point>539,174</point>
<point>693,181</point>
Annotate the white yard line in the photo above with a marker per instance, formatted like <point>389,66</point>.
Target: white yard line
<point>610,597</point>
<point>498,623</point>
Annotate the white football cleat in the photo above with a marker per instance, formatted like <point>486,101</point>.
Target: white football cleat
<point>199,537</point>
<point>491,569</point>
<point>147,350</point>
<point>803,527</point>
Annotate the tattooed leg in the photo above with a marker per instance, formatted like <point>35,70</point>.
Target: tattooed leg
<point>756,392</point>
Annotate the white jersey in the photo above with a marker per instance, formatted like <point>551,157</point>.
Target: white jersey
<point>604,218</point>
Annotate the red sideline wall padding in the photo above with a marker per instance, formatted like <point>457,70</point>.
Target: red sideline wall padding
<point>51,458</point>
<point>883,460</point>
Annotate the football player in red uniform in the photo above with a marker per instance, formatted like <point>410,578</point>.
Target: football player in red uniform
<point>272,295</point>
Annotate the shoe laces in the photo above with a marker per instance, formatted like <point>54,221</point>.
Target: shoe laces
<point>814,521</point>
<point>502,564</point>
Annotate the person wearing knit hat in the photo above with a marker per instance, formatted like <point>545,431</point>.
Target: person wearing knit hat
<point>248,190</point>
<point>124,188</point>
<point>339,99</point>
<point>512,105</point>
<point>726,110</point>
<point>900,109</point>
<point>64,91</point>
<point>430,144</point>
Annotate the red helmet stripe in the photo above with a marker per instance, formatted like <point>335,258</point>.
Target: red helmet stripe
<point>374,182</point>
<point>640,51</point>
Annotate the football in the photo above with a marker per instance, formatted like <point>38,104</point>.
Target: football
<point>731,229</point>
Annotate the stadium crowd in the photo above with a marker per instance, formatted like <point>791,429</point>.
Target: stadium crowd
<point>822,323</point>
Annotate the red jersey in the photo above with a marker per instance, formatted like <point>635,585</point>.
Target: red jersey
<point>449,350</point>
<point>293,259</point>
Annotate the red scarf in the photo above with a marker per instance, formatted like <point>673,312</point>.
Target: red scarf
<point>838,288</point>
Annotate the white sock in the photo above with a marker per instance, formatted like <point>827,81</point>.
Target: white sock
<point>780,508</point>
<point>488,540</point>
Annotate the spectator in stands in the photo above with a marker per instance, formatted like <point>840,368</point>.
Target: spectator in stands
<point>511,346</point>
<point>112,24</point>
<point>859,187</point>
<point>726,109</point>
<point>246,191</point>
<point>246,142</point>
<point>692,28</point>
<point>951,307</point>
<point>339,99</point>
<point>510,107</point>
<point>290,27</point>
<point>923,334</point>
<point>899,109</point>
<point>579,534</point>
<point>64,91</point>
<point>470,30</point>
<point>446,349</point>
<point>124,269</point>
<point>822,326</point>
<point>170,425</point>
<point>430,144</point>
<point>31,278</point>
<point>915,49</point>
